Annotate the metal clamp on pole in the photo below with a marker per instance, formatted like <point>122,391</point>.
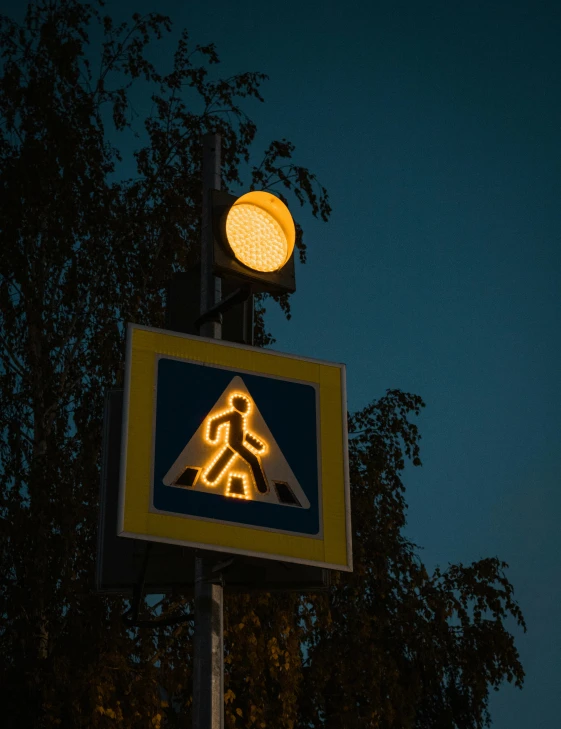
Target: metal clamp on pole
<point>214,314</point>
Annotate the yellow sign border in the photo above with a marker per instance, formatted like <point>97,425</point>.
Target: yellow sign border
<point>136,519</point>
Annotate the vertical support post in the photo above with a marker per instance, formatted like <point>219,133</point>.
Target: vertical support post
<point>208,679</point>
<point>210,284</point>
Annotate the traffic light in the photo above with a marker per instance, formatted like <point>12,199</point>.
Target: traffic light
<point>254,241</point>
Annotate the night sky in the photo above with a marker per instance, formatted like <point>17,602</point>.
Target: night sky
<point>436,128</point>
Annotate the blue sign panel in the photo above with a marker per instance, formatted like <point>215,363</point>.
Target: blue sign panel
<point>236,447</point>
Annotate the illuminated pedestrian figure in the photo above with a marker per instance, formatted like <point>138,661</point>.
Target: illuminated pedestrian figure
<point>229,427</point>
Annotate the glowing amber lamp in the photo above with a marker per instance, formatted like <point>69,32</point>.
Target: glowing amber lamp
<point>260,231</point>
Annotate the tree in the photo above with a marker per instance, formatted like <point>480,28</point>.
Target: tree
<point>86,247</point>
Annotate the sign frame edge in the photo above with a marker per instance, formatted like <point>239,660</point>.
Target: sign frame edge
<point>131,327</point>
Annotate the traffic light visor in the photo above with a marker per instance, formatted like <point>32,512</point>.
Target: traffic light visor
<point>260,231</point>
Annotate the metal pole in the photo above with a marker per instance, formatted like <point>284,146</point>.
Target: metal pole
<point>208,679</point>
<point>210,285</point>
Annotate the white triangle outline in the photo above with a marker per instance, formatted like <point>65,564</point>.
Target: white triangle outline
<point>199,453</point>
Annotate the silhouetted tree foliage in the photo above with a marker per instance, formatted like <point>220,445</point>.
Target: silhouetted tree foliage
<point>85,249</point>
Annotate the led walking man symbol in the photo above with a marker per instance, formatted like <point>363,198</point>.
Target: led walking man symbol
<point>229,428</point>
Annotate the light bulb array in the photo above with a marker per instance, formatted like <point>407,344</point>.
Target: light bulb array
<point>245,483</point>
<point>217,431</point>
<point>256,238</point>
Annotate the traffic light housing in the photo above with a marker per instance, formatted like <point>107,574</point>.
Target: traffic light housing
<point>253,241</point>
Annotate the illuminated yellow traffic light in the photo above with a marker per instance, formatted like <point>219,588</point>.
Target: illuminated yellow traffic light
<point>260,231</point>
<point>254,238</point>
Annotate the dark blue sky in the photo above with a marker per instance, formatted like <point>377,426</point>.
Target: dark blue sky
<point>436,128</point>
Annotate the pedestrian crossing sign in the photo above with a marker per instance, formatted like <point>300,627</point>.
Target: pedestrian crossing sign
<point>234,448</point>
<point>226,456</point>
